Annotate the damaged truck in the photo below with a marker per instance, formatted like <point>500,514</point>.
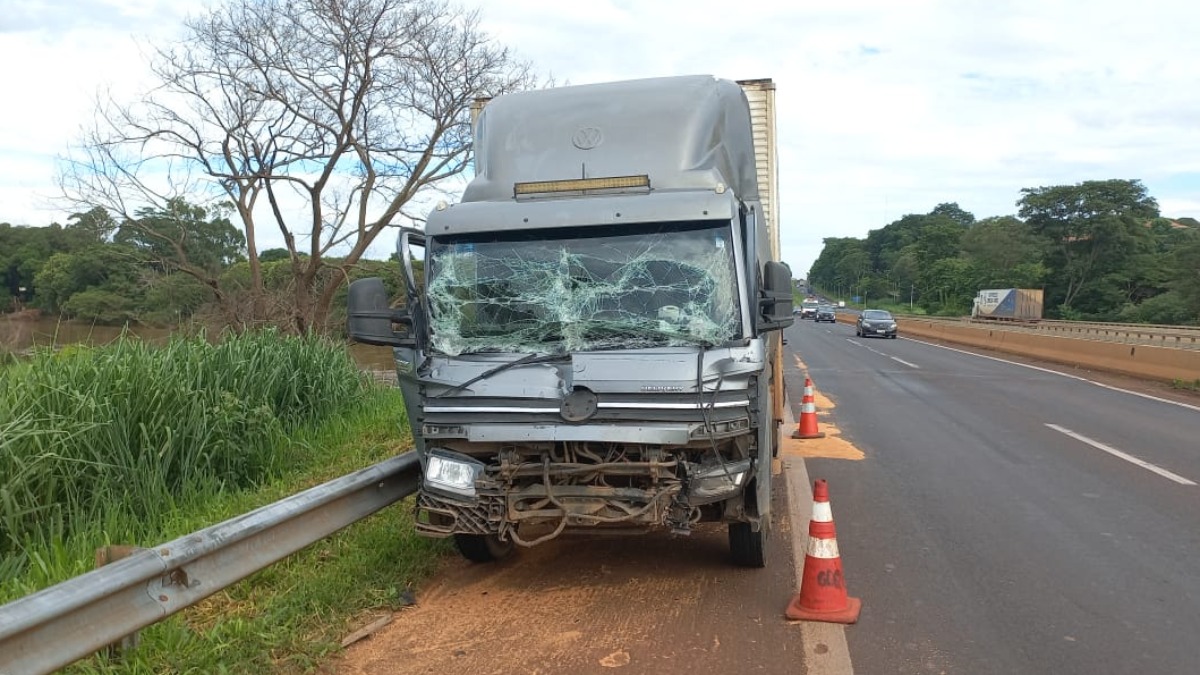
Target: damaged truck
<point>591,337</point>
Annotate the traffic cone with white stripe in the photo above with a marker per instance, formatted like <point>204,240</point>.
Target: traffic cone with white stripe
<point>822,595</point>
<point>807,428</point>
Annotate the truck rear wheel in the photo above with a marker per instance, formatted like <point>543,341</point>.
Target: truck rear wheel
<point>747,547</point>
<point>482,548</point>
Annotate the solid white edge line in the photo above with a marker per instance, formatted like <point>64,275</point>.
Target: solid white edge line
<point>910,365</point>
<point>824,644</point>
<point>1122,455</point>
<point>1151,397</point>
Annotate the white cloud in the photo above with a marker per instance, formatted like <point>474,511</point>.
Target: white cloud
<point>885,107</point>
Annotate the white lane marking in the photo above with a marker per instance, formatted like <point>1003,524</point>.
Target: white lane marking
<point>1062,374</point>
<point>876,351</point>
<point>1125,456</point>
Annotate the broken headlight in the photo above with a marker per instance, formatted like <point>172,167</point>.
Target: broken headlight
<point>709,483</point>
<point>451,474</point>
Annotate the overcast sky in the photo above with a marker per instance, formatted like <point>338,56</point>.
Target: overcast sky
<point>885,107</point>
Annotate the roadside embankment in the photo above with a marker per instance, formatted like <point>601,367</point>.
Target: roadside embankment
<point>135,444</point>
<point>1145,361</point>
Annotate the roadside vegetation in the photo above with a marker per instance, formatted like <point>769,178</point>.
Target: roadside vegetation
<point>1101,250</point>
<point>133,444</point>
<point>1185,385</point>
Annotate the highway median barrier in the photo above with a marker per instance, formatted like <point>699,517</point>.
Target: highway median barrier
<point>1165,364</point>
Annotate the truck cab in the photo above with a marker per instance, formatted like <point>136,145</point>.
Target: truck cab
<point>593,341</point>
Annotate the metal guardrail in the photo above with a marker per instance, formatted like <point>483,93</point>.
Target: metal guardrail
<point>64,623</point>
<point>1179,337</point>
<point>1175,337</point>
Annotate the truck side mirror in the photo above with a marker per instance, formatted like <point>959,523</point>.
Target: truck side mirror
<point>775,303</point>
<point>371,321</point>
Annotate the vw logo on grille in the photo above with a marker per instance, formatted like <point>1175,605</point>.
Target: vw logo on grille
<point>587,138</point>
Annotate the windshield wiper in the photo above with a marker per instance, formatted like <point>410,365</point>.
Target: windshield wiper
<point>526,360</point>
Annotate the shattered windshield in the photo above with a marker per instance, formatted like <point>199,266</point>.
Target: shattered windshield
<point>583,289</point>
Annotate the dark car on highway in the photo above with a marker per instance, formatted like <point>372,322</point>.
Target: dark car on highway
<point>825,313</point>
<point>875,322</point>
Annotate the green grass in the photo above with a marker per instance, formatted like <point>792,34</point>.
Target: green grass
<point>1185,385</point>
<point>130,444</point>
<point>291,616</point>
<point>122,433</point>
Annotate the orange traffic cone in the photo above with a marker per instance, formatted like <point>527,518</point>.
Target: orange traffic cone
<point>808,415</point>
<point>822,595</point>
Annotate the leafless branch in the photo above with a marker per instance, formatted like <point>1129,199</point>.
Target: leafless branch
<point>342,113</point>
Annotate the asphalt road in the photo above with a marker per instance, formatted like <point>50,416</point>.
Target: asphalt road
<point>1005,519</point>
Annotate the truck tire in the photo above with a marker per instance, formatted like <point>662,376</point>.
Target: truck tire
<point>747,547</point>
<point>482,548</point>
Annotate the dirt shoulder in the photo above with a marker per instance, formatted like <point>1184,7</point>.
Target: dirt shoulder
<point>591,603</point>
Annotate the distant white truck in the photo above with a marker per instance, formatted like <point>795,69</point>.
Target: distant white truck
<point>808,308</point>
<point>1008,304</point>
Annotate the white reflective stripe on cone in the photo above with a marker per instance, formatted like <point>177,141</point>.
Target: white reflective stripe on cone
<point>822,512</point>
<point>822,548</point>
<point>808,408</point>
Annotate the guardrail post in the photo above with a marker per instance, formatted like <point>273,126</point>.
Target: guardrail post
<point>104,556</point>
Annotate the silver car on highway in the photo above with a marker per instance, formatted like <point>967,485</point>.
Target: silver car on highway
<point>875,322</point>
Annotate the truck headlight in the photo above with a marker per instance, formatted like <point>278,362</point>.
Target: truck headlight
<point>712,483</point>
<point>452,473</point>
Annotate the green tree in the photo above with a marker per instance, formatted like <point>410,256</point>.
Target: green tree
<point>1006,253</point>
<point>169,298</point>
<point>952,211</point>
<point>1092,227</point>
<point>938,238</point>
<point>884,245</point>
<point>949,285</point>
<point>1186,278</point>
<point>183,237</point>
<point>832,272</point>
<point>23,251</point>
<point>97,223</point>
<point>100,306</point>
<point>109,267</point>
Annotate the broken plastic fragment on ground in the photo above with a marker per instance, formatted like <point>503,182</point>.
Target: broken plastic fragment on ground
<point>568,292</point>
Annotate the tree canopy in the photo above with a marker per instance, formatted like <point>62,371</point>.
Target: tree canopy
<point>1099,249</point>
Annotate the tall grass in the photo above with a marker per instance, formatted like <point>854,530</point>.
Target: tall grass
<point>114,438</point>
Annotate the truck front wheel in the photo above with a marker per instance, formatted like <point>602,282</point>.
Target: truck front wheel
<point>482,548</point>
<point>746,546</point>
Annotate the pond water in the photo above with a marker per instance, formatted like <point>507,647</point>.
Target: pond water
<point>18,335</point>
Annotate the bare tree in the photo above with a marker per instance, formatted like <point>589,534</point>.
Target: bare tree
<point>349,108</point>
